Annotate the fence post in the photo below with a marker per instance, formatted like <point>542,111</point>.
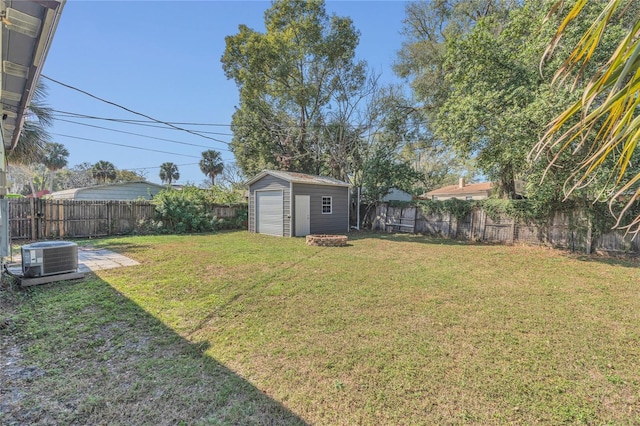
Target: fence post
<point>451,231</point>
<point>109,203</point>
<point>589,234</point>
<point>33,218</point>
<point>63,218</point>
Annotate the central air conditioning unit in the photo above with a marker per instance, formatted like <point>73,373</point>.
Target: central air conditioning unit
<point>49,258</point>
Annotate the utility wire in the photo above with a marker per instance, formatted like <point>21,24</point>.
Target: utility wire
<point>130,110</point>
<point>127,120</point>
<point>157,167</point>
<point>123,145</point>
<point>138,134</point>
<point>144,123</point>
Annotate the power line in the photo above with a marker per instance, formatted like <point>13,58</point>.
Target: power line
<point>157,167</point>
<point>144,123</point>
<point>140,135</point>
<point>129,110</point>
<point>126,120</point>
<point>123,145</point>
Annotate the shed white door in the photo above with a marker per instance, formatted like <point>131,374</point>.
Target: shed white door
<point>269,212</point>
<point>303,215</point>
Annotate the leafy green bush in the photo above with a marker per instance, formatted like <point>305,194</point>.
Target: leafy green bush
<point>184,211</point>
<point>458,208</point>
<point>227,196</point>
<point>237,222</point>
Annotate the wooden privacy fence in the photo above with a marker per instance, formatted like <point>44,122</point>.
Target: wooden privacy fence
<point>36,219</point>
<point>569,230</point>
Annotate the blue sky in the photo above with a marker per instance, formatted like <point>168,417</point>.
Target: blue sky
<point>162,59</point>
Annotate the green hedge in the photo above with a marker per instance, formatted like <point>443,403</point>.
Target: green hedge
<point>190,210</point>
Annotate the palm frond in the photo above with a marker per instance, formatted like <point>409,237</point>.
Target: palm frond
<point>31,145</point>
<point>34,136</point>
<point>608,110</point>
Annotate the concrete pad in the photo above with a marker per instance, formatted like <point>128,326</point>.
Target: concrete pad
<point>89,260</point>
<point>99,259</point>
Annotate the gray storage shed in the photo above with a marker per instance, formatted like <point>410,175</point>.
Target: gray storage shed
<point>292,204</point>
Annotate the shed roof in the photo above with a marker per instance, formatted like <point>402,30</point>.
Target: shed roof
<point>295,177</point>
<point>457,190</point>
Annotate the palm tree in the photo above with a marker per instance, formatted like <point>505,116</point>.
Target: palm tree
<point>211,164</point>
<point>169,172</point>
<point>607,117</point>
<point>103,171</point>
<point>55,158</point>
<point>34,136</point>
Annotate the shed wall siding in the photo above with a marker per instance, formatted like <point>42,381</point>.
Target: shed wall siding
<point>338,220</point>
<point>265,184</point>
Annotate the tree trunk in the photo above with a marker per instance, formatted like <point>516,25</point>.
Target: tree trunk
<point>51,172</point>
<point>33,189</point>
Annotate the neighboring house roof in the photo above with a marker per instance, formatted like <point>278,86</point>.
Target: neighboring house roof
<point>39,194</point>
<point>396,194</point>
<point>72,193</point>
<point>481,188</point>
<point>298,178</point>
<point>65,193</point>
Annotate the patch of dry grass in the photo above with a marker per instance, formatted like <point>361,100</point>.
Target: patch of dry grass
<point>393,329</point>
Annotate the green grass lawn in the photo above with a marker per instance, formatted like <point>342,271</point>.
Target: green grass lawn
<point>237,328</point>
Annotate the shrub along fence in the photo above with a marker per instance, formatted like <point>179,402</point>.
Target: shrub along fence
<point>571,230</point>
<point>37,219</point>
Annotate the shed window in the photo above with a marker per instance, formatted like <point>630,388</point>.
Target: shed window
<point>326,205</point>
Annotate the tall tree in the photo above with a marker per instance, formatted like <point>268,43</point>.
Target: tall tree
<point>428,27</point>
<point>78,176</point>
<point>169,172</point>
<point>431,30</point>
<point>601,129</point>
<point>233,178</point>
<point>211,164</point>
<point>385,170</point>
<point>54,159</point>
<point>287,78</point>
<point>495,103</point>
<point>490,110</point>
<point>104,171</point>
<point>123,175</point>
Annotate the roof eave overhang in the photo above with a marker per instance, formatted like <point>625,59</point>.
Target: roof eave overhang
<point>292,181</point>
<point>339,185</point>
<point>14,112</point>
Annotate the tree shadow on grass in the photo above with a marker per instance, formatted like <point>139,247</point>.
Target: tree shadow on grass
<point>82,353</point>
